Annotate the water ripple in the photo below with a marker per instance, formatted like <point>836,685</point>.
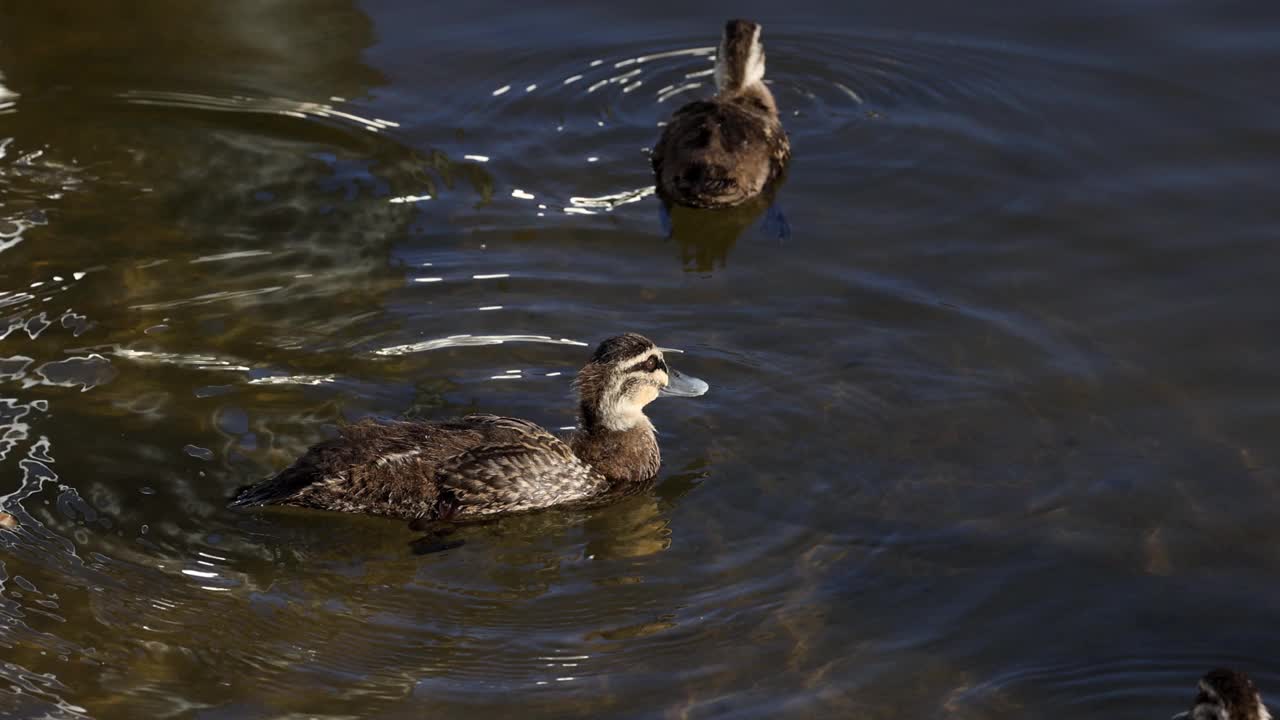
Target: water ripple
<point>471,341</point>
<point>266,105</point>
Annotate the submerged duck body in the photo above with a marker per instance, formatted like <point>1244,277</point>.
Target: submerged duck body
<point>483,465</point>
<point>1226,695</point>
<point>728,149</point>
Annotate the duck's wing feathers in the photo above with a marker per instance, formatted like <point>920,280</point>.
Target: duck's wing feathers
<point>479,465</point>
<point>519,466</point>
<point>371,467</point>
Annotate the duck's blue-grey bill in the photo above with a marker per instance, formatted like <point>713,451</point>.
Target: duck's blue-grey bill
<point>681,385</point>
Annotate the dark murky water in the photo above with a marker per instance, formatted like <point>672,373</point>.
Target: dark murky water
<point>991,434</point>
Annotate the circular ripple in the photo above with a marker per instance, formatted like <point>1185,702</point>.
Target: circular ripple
<point>875,106</point>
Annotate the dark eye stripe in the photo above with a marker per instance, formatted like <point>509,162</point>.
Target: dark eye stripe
<point>658,364</point>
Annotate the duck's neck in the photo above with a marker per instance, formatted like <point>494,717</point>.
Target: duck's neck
<point>627,457</point>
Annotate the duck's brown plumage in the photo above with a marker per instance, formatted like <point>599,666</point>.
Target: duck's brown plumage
<point>732,147</point>
<point>487,464</point>
<point>1226,694</point>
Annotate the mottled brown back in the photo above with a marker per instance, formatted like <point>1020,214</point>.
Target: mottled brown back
<point>716,153</point>
<point>1227,695</point>
<point>730,148</point>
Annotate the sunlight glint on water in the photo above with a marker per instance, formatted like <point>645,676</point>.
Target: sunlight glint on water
<point>991,428</point>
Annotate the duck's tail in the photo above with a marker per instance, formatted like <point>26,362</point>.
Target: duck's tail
<point>248,495</point>
<point>740,57</point>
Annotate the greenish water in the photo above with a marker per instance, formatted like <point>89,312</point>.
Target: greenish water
<point>990,435</point>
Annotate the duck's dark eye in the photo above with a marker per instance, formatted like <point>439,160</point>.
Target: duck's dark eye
<point>651,364</point>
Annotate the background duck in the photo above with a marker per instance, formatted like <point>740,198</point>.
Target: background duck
<point>486,464</point>
<point>1226,695</point>
<point>730,148</point>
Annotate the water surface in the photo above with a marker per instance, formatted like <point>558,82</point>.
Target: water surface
<point>990,435</point>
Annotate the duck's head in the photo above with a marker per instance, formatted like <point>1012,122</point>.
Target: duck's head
<point>1226,695</point>
<point>625,373</point>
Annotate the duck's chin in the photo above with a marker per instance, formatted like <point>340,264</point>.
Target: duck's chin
<point>627,421</point>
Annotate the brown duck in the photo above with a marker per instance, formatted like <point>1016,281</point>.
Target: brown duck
<point>482,465</point>
<point>728,149</point>
<point>1226,695</point>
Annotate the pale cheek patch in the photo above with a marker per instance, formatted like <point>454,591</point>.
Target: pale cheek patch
<point>624,406</point>
<point>648,395</point>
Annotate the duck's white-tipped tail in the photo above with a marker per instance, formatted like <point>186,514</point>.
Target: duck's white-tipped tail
<point>740,57</point>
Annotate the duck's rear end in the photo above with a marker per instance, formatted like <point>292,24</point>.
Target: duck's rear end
<point>726,150</point>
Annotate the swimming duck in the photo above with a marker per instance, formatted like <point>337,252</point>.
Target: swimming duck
<point>726,150</point>
<point>482,465</point>
<point>1227,695</point>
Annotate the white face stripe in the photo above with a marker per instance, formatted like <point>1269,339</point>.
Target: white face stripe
<point>660,372</point>
<point>637,359</point>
